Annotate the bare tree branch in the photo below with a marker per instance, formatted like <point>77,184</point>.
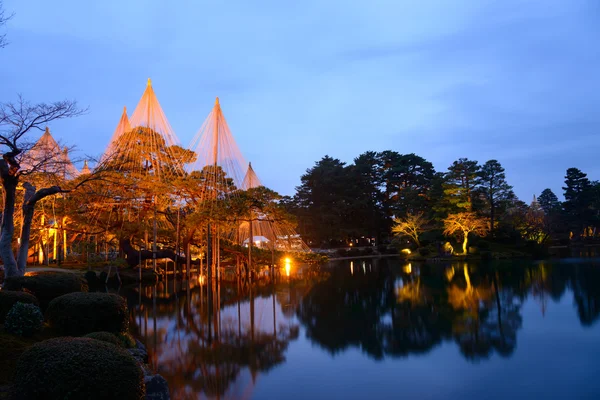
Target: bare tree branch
<point>19,118</point>
<point>4,17</point>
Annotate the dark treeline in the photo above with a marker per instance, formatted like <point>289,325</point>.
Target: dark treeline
<point>386,194</point>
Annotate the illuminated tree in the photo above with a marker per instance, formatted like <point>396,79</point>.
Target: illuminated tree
<point>16,121</point>
<point>465,223</point>
<point>412,226</point>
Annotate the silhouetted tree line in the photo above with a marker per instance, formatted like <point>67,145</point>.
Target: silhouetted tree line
<point>386,192</point>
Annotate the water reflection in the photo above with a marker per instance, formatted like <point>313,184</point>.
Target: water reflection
<point>217,341</point>
<point>398,310</point>
<point>213,342</point>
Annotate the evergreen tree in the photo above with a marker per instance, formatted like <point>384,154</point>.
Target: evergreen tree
<point>323,198</point>
<point>408,180</point>
<point>577,192</point>
<point>549,202</point>
<point>493,186</point>
<point>461,180</point>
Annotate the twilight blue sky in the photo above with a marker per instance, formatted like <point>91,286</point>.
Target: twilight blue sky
<point>515,80</point>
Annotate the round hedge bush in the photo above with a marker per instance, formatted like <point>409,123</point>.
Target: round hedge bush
<point>77,314</point>
<point>77,368</point>
<point>24,319</point>
<point>46,286</point>
<point>105,337</point>
<point>91,278</point>
<point>8,298</point>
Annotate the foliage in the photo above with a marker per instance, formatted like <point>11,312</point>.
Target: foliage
<point>549,202</point>
<point>105,337</point>
<point>11,348</point>
<point>578,192</point>
<point>323,197</point>
<point>46,286</point>
<point>8,298</point>
<point>494,188</point>
<point>407,180</point>
<point>461,180</point>
<point>77,368</point>
<point>465,223</point>
<point>24,319</point>
<point>77,314</point>
<point>412,226</point>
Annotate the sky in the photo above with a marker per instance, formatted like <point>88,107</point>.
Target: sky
<point>512,80</point>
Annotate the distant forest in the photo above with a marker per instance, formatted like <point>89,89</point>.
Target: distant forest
<point>391,196</point>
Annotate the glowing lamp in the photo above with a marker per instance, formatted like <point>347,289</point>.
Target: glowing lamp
<point>288,266</point>
<point>406,251</point>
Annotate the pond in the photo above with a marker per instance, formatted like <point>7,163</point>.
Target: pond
<point>381,329</point>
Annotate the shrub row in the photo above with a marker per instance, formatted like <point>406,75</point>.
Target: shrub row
<point>46,286</point>
<point>77,314</point>
<point>77,368</point>
<point>8,298</point>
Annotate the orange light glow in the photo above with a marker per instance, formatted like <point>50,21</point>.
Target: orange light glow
<point>406,251</point>
<point>202,279</point>
<point>288,266</point>
<point>408,268</point>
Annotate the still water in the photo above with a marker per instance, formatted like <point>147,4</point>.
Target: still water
<point>382,329</point>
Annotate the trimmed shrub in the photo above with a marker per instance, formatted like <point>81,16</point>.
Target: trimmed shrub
<point>46,286</point>
<point>77,314</point>
<point>77,368</point>
<point>8,298</point>
<point>91,278</point>
<point>24,319</point>
<point>105,337</point>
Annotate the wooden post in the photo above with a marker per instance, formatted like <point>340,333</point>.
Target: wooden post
<point>188,262</point>
<point>177,245</point>
<point>250,240</point>
<point>154,238</point>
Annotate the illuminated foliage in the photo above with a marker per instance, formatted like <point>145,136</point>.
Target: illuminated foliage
<point>412,226</point>
<point>464,224</point>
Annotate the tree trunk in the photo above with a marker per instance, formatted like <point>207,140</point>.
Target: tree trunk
<point>27,212</point>
<point>30,200</point>
<point>9,184</point>
<point>492,212</point>
<point>465,240</point>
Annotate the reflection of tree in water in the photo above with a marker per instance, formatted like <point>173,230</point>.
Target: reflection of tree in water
<point>391,311</point>
<point>348,309</point>
<point>585,282</point>
<point>216,351</point>
<point>486,317</point>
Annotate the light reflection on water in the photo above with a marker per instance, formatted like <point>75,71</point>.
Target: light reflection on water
<point>294,339</point>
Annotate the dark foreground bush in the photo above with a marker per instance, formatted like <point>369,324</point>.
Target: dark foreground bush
<point>46,286</point>
<point>8,298</point>
<point>77,314</point>
<point>105,337</point>
<point>77,368</point>
<point>24,319</point>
